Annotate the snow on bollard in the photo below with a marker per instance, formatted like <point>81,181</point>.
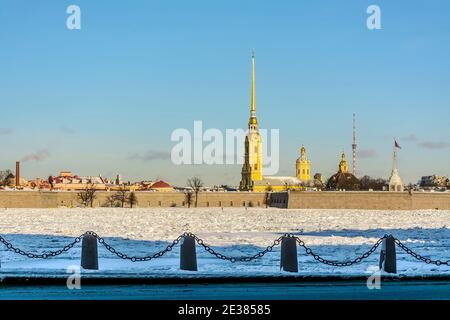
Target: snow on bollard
<point>289,260</point>
<point>89,255</point>
<point>188,254</point>
<point>388,259</point>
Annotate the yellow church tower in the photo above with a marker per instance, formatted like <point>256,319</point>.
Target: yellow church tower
<point>303,166</point>
<point>252,167</point>
<point>343,165</point>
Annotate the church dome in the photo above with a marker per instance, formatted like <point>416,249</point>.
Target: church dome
<point>303,157</point>
<point>161,185</point>
<point>343,180</point>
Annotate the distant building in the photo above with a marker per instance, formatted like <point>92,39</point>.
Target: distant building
<point>395,182</point>
<point>67,181</point>
<point>66,174</point>
<point>11,180</point>
<point>343,179</point>
<point>300,181</point>
<point>161,186</point>
<point>274,183</point>
<point>434,181</point>
<point>251,174</point>
<point>252,167</point>
<point>303,166</point>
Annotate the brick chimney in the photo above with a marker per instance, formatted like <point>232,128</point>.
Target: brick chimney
<point>17,174</point>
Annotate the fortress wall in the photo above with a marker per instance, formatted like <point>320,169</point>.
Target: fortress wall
<point>279,200</point>
<point>292,200</point>
<point>48,199</point>
<point>232,199</point>
<point>367,200</point>
<point>433,201</point>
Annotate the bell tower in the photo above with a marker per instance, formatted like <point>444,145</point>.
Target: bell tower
<point>343,165</point>
<point>252,167</point>
<point>303,166</point>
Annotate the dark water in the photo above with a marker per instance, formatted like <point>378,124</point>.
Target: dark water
<point>354,290</point>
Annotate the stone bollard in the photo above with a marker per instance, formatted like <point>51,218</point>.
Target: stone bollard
<point>89,254</point>
<point>188,254</point>
<point>388,259</point>
<point>289,260</point>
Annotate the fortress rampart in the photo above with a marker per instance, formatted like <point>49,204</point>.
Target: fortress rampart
<point>291,200</point>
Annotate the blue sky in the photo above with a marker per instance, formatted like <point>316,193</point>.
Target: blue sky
<point>105,99</point>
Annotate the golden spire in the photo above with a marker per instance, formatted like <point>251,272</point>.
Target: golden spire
<point>253,99</point>
<point>303,153</point>
<point>343,165</point>
<point>253,120</point>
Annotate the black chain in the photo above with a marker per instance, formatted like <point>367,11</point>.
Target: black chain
<point>219,255</point>
<point>234,259</point>
<point>419,257</point>
<point>46,255</point>
<point>367,254</point>
<point>134,258</point>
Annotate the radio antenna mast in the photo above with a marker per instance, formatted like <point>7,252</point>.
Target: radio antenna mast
<point>354,145</point>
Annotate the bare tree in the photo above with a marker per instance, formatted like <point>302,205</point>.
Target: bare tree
<point>269,189</point>
<point>368,183</point>
<point>318,182</point>
<point>111,202</point>
<point>121,196</point>
<point>51,182</point>
<point>4,177</point>
<point>196,185</point>
<point>188,198</point>
<point>132,199</point>
<point>87,196</point>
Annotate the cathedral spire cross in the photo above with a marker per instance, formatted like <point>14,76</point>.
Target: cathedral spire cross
<point>253,94</point>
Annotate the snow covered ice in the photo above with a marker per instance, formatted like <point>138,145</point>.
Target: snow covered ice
<point>337,235</point>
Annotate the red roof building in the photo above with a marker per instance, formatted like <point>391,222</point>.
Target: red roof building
<point>161,186</point>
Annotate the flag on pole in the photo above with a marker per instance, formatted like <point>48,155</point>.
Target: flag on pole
<point>396,145</point>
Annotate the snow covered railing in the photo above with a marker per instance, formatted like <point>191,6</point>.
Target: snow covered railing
<point>188,254</point>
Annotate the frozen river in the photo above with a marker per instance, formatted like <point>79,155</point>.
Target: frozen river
<point>337,235</point>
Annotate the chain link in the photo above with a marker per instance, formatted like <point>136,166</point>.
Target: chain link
<point>318,258</point>
<point>46,255</point>
<point>219,255</point>
<point>418,256</point>
<point>136,258</point>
